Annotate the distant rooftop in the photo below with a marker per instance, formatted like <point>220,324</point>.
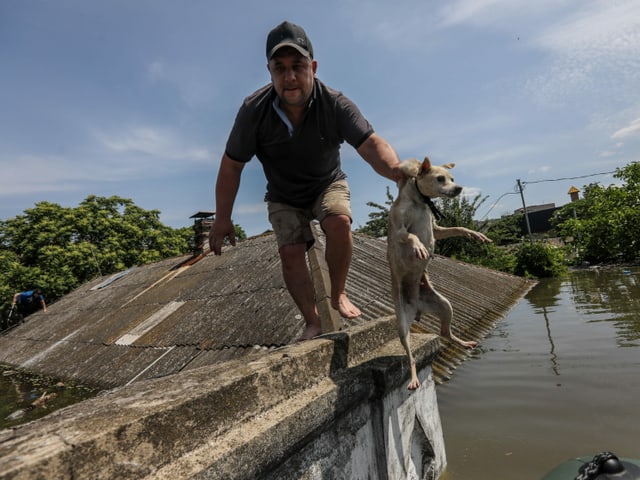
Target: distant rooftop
<point>203,214</point>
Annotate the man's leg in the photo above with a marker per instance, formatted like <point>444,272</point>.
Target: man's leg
<point>300,285</point>
<point>339,248</point>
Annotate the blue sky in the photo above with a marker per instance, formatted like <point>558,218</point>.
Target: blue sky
<point>136,97</point>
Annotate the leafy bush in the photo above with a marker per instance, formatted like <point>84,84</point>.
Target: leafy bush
<point>491,256</point>
<point>539,260</point>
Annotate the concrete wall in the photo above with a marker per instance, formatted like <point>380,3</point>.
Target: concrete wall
<point>331,408</point>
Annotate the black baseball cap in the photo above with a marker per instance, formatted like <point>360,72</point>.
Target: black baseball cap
<point>288,34</point>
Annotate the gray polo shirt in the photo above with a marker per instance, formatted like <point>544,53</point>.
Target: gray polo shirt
<point>301,163</point>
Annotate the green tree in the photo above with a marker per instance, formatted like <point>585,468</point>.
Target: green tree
<point>240,233</point>
<point>506,230</point>
<point>459,212</point>
<point>378,223</point>
<point>604,226</point>
<point>57,249</point>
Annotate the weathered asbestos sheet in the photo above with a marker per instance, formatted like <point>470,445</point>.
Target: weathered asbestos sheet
<point>160,319</point>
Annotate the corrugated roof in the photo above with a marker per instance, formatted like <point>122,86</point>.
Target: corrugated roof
<point>158,319</point>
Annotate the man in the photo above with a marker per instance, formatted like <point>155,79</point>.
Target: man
<point>29,301</point>
<point>295,126</point>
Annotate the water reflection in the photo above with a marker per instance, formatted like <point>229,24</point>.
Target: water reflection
<point>508,403</point>
<point>545,294</point>
<point>615,291</point>
<point>543,297</point>
<point>612,292</point>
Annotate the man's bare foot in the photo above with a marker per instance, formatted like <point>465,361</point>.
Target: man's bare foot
<point>310,331</point>
<point>345,307</point>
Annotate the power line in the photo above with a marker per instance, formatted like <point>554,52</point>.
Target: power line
<point>496,202</point>
<point>524,183</point>
<point>568,178</point>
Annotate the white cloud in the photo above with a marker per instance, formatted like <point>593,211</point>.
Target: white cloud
<point>607,154</point>
<point>157,142</point>
<point>495,13</point>
<point>192,82</point>
<point>132,153</point>
<point>156,70</point>
<point>584,48</point>
<point>471,192</point>
<point>632,129</point>
<point>250,209</point>
<point>596,30</point>
<point>500,160</point>
<point>539,169</point>
<point>54,174</point>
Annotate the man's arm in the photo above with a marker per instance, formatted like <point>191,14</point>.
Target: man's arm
<point>382,157</point>
<point>44,305</point>
<point>226,190</point>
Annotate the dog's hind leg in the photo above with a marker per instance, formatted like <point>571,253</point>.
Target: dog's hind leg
<point>433,302</point>
<point>403,330</point>
<point>406,304</point>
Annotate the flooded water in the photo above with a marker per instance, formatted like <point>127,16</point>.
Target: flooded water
<point>557,379</point>
<point>25,397</point>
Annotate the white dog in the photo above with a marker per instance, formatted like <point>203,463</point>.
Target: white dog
<point>410,243</point>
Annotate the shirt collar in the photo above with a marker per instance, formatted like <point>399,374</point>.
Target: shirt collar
<point>283,116</point>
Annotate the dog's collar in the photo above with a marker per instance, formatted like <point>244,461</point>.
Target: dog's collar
<point>436,213</point>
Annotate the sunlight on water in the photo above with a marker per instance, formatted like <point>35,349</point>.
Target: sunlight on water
<point>557,379</point>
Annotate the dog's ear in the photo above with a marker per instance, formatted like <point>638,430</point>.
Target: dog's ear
<point>426,165</point>
<point>449,166</point>
<point>410,167</point>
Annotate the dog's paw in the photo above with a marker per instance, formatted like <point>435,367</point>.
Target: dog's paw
<point>420,252</point>
<point>414,384</point>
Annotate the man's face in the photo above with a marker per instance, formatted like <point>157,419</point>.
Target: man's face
<point>292,77</point>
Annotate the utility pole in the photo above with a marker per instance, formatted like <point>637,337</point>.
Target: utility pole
<point>524,207</point>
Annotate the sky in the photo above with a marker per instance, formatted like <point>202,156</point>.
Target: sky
<point>136,98</point>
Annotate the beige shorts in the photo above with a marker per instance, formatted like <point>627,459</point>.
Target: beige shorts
<point>292,225</point>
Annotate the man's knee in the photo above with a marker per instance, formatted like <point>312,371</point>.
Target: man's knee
<point>292,254</point>
<point>337,225</point>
